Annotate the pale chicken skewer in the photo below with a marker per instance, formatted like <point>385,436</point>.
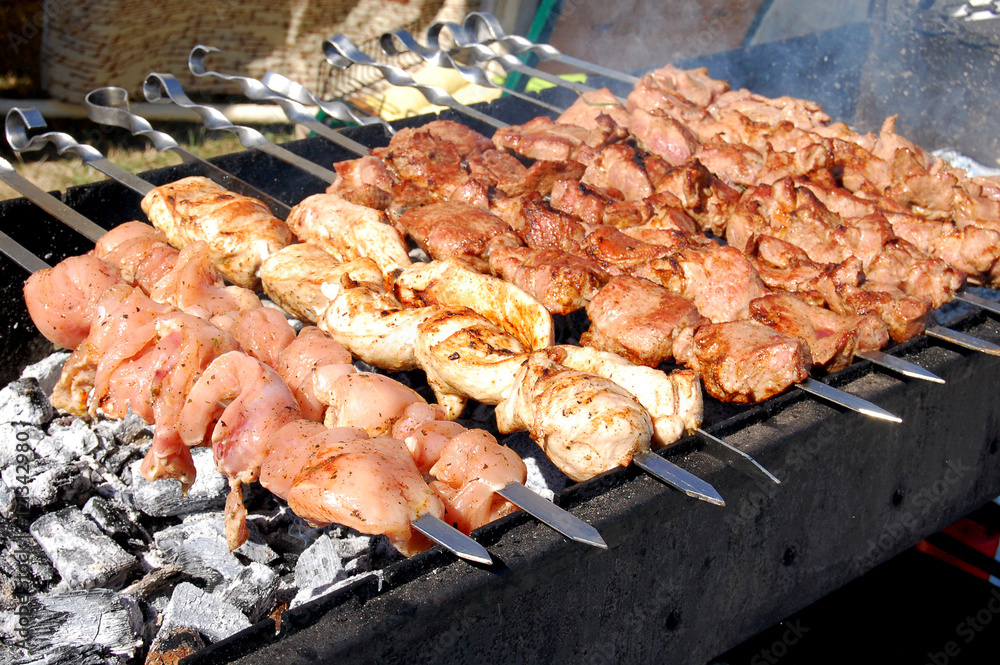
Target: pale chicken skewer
<point>120,242</point>
<point>229,399</point>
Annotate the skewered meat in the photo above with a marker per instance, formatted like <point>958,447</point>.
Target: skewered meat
<point>831,337</point>
<point>562,282</point>
<point>309,356</point>
<point>584,423</point>
<point>638,320</point>
<point>452,229</point>
<point>196,208</point>
<point>743,361</point>
<point>451,283</point>
<point>349,231</point>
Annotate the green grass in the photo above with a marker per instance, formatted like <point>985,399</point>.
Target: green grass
<point>58,173</point>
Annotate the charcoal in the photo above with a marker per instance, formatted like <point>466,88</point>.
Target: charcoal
<point>312,593</point>
<point>22,401</point>
<point>83,620</point>
<point>132,430</point>
<point>69,439</point>
<point>255,548</point>
<point>8,503</point>
<point>88,654</point>
<point>199,547</point>
<point>46,371</point>
<point>84,557</point>
<point>163,498</point>
<point>253,591</point>
<point>23,560</point>
<point>320,564</point>
<point>349,544</point>
<point>18,439</point>
<point>154,582</point>
<point>172,643</point>
<point>208,613</point>
<point>47,482</point>
<point>113,519</point>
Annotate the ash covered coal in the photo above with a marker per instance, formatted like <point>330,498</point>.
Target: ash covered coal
<point>99,565</point>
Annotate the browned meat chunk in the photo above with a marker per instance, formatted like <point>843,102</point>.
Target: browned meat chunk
<point>743,361</point>
<point>545,228</point>
<point>637,320</point>
<point>619,253</point>
<point>620,167</point>
<point>663,136</point>
<point>587,109</point>
<point>831,337</point>
<point>433,156</point>
<point>701,195</point>
<point>562,282</point>
<point>458,230</point>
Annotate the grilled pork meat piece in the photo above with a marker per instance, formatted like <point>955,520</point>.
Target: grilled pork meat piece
<point>700,194</point>
<point>619,167</point>
<point>459,230</point>
<point>240,231</point>
<point>663,135</point>
<point>542,227</point>
<point>544,139</point>
<point>638,320</point>
<point>562,282</point>
<point>621,254</point>
<point>587,109</point>
<point>349,231</point>
<point>831,338</point>
<point>743,361</point>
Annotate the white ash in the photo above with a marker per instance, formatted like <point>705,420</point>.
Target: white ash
<point>114,519</point>
<point>31,568</point>
<point>209,614</point>
<point>198,546</point>
<point>47,371</point>
<point>8,504</point>
<point>544,477</point>
<point>306,595</point>
<point>99,618</point>
<point>958,160</point>
<point>84,556</point>
<point>48,482</point>
<point>162,498</point>
<point>253,591</point>
<point>319,565</point>
<point>69,439</point>
<point>23,401</point>
<point>255,549</point>
<point>18,439</point>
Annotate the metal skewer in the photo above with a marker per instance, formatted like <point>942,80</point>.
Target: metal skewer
<point>963,340</point>
<point>342,53</point>
<point>109,106</point>
<point>904,367</point>
<point>678,478</point>
<point>289,89</point>
<point>480,55</point>
<point>562,521</point>
<point>978,301</point>
<point>482,24</point>
<point>846,400</point>
<point>732,455</point>
<point>435,55</point>
<point>164,88</point>
<point>257,91</point>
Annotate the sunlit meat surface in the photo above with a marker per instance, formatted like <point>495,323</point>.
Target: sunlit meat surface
<point>637,319</point>
<point>831,337</point>
<point>241,232</point>
<point>459,230</point>
<point>743,361</point>
<point>562,282</point>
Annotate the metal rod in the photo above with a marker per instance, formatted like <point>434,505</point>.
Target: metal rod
<point>978,301</point>
<point>257,91</point>
<point>110,106</point>
<point>678,478</point>
<point>20,255</point>
<point>342,53</point>
<point>552,515</point>
<point>433,54</point>
<point>289,89</point>
<point>963,340</point>
<point>483,24</point>
<point>846,400</point>
<point>20,125</point>
<point>49,203</point>
<point>732,455</point>
<point>904,367</point>
<point>165,88</point>
<point>451,539</point>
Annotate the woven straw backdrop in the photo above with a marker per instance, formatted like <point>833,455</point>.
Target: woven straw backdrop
<point>92,43</point>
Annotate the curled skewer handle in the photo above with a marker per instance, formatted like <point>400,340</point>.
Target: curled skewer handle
<point>289,89</point>
<point>342,53</point>
<point>400,41</point>
<point>109,106</point>
<point>164,88</point>
<point>21,127</point>
<point>480,54</point>
<point>257,91</point>
<point>486,27</point>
